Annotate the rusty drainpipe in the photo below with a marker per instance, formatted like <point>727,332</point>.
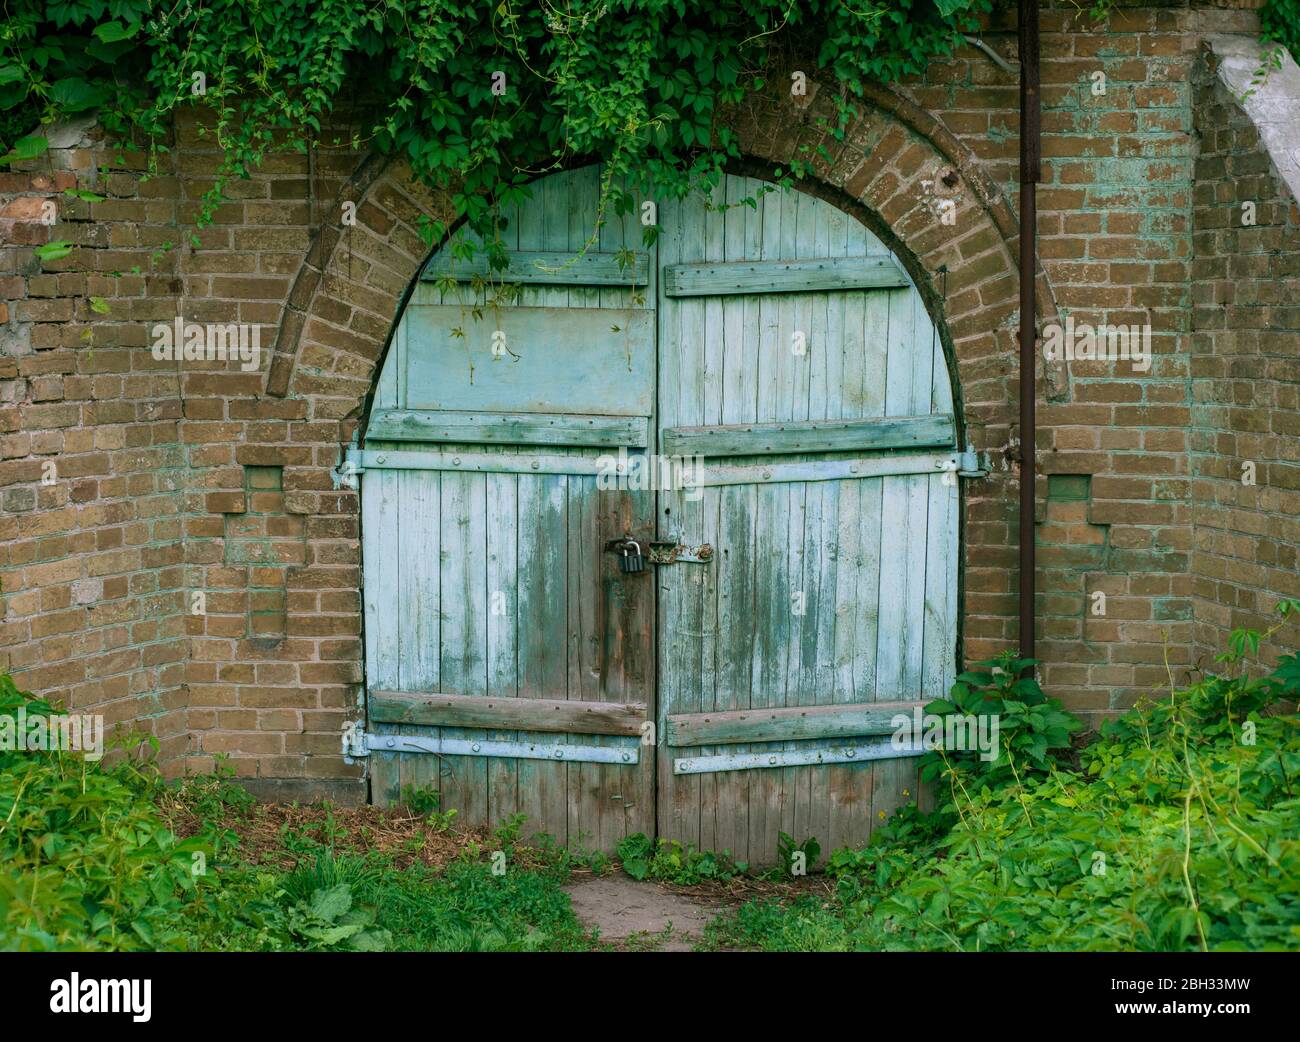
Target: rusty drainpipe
<point>1030,174</point>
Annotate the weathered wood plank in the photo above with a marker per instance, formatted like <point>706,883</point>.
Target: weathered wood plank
<point>519,714</point>
<point>905,555</point>
<point>535,267</point>
<point>503,631</point>
<point>598,361</point>
<point>679,800</point>
<point>464,665</point>
<point>805,276</point>
<point>763,439</point>
<point>776,529</point>
<point>542,527</point>
<point>509,428</point>
<point>794,723</point>
<point>824,469</point>
<point>413,529</point>
<point>486,462</point>
<point>379,503</point>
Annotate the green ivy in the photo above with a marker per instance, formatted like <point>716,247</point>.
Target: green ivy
<point>1280,22</point>
<point>640,84</point>
<point>478,98</point>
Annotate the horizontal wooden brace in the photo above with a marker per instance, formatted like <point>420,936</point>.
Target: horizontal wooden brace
<point>554,269</point>
<point>569,716</point>
<point>471,462</point>
<point>807,276</point>
<point>785,724</point>
<point>628,753</point>
<point>828,470</point>
<point>761,439</point>
<point>703,476</point>
<point>510,428</point>
<point>845,752</point>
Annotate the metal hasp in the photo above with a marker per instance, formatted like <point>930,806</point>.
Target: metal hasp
<point>844,751</point>
<point>1030,175</point>
<point>670,551</point>
<point>358,743</point>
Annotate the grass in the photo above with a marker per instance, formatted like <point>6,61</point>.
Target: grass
<point>1176,829</point>
<point>422,884</point>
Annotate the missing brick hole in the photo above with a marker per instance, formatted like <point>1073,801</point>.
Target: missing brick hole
<point>268,479</point>
<point>1069,487</point>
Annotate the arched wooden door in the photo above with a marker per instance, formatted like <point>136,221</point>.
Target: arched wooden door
<point>795,595</point>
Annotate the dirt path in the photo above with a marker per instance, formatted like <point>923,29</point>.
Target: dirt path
<point>640,916</point>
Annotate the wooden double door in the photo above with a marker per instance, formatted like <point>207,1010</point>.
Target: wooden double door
<point>772,388</point>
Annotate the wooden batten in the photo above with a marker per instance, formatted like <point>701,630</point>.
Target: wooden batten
<point>510,714</point>
<point>491,428</point>
<point>763,439</point>
<point>545,268</point>
<point>824,275</point>
<point>781,725</point>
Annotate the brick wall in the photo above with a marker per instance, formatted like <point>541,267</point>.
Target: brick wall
<point>92,472</point>
<point>1245,359</point>
<point>193,566</point>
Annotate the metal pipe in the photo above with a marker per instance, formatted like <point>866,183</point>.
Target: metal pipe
<point>1030,174</point>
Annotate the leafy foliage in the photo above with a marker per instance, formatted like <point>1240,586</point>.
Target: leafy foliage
<point>1032,728</point>
<point>1180,830</point>
<point>479,98</point>
<point>86,863</point>
<point>328,920</point>
<point>670,861</point>
<point>1280,22</point>
<point>787,851</point>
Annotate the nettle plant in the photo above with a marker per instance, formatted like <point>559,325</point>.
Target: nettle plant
<point>479,99</point>
<point>1033,730</point>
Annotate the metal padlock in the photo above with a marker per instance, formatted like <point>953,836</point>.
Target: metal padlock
<point>630,563</point>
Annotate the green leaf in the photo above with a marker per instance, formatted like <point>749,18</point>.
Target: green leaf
<point>53,251</point>
<point>25,148</point>
<point>75,94</point>
<point>331,903</point>
<point>112,32</point>
<point>375,940</point>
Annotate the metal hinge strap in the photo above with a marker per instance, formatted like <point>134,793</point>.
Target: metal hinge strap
<point>968,465</point>
<point>844,752</point>
<point>360,743</point>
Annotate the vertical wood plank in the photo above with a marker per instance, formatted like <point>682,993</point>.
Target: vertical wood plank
<point>464,658</point>
<point>418,618</point>
<point>379,492</point>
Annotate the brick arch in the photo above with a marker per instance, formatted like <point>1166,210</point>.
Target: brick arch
<point>352,284</point>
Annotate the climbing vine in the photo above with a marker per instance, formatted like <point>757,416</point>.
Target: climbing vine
<point>479,98</point>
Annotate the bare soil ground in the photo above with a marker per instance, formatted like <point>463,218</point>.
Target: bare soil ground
<point>640,915</point>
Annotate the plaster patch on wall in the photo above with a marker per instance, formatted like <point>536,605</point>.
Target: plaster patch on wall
<point>1274,105</point>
